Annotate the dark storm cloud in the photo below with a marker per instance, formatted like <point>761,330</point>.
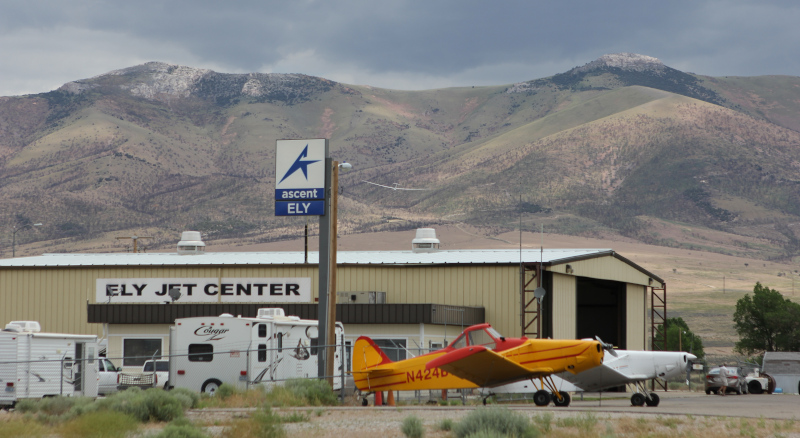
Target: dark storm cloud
<point>398,44</point>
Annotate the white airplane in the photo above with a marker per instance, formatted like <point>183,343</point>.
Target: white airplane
<point>627,367</point>
<point>395,186</point>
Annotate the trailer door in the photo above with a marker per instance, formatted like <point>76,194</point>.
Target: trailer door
<point>8,369</point>
<point>259,369</point>
<point>89,365</point>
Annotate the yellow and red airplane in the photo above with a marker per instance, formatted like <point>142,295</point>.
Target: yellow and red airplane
<point>479,357</point>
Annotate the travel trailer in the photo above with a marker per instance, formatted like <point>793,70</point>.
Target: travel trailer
<point>34,365</point>
<point>206,352</point>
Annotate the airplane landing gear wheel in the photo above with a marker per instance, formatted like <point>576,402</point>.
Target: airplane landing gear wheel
<point>541,398</point>
<point>653,400</point>
<point>364,402</point>
<point>638,399</point>
<point>564,402</point>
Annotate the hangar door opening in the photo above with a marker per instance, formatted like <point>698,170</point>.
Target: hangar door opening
<point>601,310</point>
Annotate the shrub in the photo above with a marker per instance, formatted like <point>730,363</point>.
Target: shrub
<point>585,422</point>
<point>99,425</point>
<point>130,401</point>
<point>27,405</point>
<point>445,425</point>
<point>162,406</point>
<point>57,405</point>
<point>154,404</point>
<point>225,391</point>
<point>184,394</point>
<point>263,423</point>
<point>412,427</point>
<point>181,428</point>
<point>302,392</point>
<point>18,427</point>
<point>494,420</point>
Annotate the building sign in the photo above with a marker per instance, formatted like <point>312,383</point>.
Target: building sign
<point>203,290</point>
<point>300,177</point>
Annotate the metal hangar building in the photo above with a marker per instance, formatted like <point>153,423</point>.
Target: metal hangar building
<point>416,300</point>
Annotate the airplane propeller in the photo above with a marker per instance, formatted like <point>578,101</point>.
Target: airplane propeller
<point>606,346</point>
<point>689,367</point>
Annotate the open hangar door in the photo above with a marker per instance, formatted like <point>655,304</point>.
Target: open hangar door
<point>601,310</point>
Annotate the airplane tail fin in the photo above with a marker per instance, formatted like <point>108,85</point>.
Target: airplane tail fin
<point>366,354</point>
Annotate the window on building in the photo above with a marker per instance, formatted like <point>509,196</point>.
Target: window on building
<point>395,349</point>
<point>348,355</point>
<point>136,351</point>
<point>201,352</point>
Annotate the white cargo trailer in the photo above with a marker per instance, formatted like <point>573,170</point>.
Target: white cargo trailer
<point>206,352</point>
<point>34,365</point>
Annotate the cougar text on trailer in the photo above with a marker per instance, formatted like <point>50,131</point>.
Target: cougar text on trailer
<point>206,352</point>
<point>35,365</point>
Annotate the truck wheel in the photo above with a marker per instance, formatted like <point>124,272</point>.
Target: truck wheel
<point>210,386</point>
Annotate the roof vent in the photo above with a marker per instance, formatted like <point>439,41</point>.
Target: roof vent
<point>191,243</point>
<point>425,241</point>
<point>270,312</point>
<point>23,326</point>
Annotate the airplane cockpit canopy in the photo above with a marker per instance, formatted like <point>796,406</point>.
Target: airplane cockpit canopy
<point>482,335</point>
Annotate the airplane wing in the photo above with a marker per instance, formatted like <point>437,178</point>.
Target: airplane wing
<point>395,187</point>
<point>484,367</point>
<point>602,377</point>
<point>376,184</point>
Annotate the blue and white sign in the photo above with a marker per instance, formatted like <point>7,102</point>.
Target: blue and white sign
<point>300,177</point>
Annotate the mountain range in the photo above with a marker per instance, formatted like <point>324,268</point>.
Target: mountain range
<point>623,147</point>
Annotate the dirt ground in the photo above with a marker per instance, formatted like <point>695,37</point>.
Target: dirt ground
<point>679,414</point>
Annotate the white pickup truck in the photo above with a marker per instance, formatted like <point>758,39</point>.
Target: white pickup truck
<point>107,374</point>
<point>153,375</point>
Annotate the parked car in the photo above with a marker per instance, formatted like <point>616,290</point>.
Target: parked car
<point>106,377</point>
<point>736,381</point>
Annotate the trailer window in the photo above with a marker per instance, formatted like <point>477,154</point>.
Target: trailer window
<point>314,344</point>
<point>136,351</point>
<point>262,352</point>
<point>262,330</point>
<point>280,342</point>
<point>201,352</point>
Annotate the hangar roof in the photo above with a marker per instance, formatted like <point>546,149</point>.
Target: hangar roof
<point>443,257</point>
<point>297,257</point>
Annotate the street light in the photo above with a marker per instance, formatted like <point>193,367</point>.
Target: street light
<point>14,235</point>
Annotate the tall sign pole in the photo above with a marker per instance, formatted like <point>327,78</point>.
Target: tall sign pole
<point>325,250</point>
<point>303,188</point>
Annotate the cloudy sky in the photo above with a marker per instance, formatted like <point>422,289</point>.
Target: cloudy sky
<point>402,44</point>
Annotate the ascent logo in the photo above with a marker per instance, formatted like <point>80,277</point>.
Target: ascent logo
<point>214,333</point>
<point>299,164</point>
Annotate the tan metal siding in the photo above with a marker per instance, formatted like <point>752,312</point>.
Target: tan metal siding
<point>605,268</point>
<point>565,300</point>
<point>636,309</point>
<point>57,297</point>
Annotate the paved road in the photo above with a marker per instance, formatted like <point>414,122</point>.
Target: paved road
<point>776,406</point>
